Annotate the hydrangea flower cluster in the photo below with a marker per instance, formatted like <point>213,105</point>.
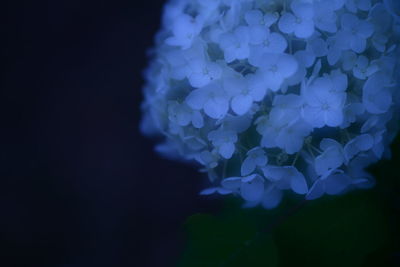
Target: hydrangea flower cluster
<point>271,96</point>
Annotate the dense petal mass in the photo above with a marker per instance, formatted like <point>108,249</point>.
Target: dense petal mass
<point>275,96</point>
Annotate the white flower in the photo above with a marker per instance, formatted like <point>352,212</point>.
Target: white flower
<point>245,91</point>
<point>393,7</point>
<point>325,16</point>
<point>376,98</point>
<point>263,41</point>
<point>330,159</point>
<point>358,144</point>
<point>282,95</point>
<point>300,22</point>
<point>202,72</point>
<point>363,69</point>
<point>235,45</point>
<point>276,68</point>
<point>182,115</point>
<point>211,98</point>
<point>185,29</point>
<point>256,157</point>
<point>223,141</point>
<point>251,188</point>
<point>286,177</point>
<point>355,32</point>
<point>354,5</point>
<point>256,17</point>
<point>325,99</point>
<point>334,184</point>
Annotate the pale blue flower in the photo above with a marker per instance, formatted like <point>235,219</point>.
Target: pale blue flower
<point>325,99</point>
<point>286,177</point>
<point>236,44</point>
<point>355,32</point>
<point>393,7</point>
<point>251,188</point>
<point>354,5</point>
<point>256,157</point>
<point>211,98</point>
<point>215,190</point>
<point>245,91</point>
<point>363,69</point>
<point>201,72</point>
<point>263,41</point>
<point>223,142</point>
<point>300,22</point>
<point>325,16</point>
<point>358,144</point>
<point>276,68</point>
<point>184,29</point>
<point>331,158</point>
<point>297,96</point>
<point>376,97</point>
<point>331,185</point>
<point>256,17</point>
<point>182,115</point>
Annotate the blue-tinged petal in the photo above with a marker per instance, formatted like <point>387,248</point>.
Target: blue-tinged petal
<point>364,5</point>
<point>304,29</point>
<point>248,166</point>
<point>287,23</point>
<point>348,21</point>
<point>316,190</point>
<point>305,57</point>
<point>365,29</point>
<point>376,98</point>
<point>253,17</point>
<point>277,43</point>
<point>216,107</point>
<point>274,173</point>
<point>314,116</point>
<point>252,188</point>
<point>272,197</point>
<point>197,119</point>
<point>337,183</point>
<point>226,150</point>
<point>241,104</point>
<point>318,46</point>
<point>327,143</point>
<point>331,159</point>
<point>197,98</point>
<point>287,65</point>
<point>232,183</point>
<point>297,181</point>
<point>213,190</point>
<point>258,34</point>
<point>302,10</point>
<point>360,143</point>
<point>333,117</point>
<point>358,44</point>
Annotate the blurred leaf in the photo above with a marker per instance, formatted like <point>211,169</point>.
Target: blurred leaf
<point>339,231</point>
<point>228,240</point>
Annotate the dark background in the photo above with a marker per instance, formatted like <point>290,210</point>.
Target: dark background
<point>79,184</point>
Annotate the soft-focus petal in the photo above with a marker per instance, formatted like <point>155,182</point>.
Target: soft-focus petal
<point>241,104</point>
<point>287,23</point>
<point>272,197</point>
<point>252,188</point>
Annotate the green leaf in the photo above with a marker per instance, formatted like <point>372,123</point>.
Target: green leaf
<point>338,231</point>
<point>227,240</point>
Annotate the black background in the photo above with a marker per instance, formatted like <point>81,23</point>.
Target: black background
<point>79,184</point>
